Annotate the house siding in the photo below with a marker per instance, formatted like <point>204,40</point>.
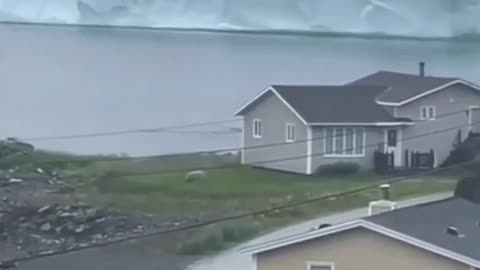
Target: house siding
<point>453,99</point>
<point>355,249</point>
<point>274,115</point>
<point>374,136</point>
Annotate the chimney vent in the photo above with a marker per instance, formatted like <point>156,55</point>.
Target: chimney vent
<point>453,231</point>
<point>422,69</point>
<point>385,192</point>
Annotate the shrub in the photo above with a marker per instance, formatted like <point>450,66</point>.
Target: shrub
<point>236,233</point>
<point>469,189</point>
<point>338,168</point>
<point>212,241</point>
<point>464,152</point>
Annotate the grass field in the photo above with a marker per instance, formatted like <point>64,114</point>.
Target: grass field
<point>241,189</point>
<point>139,186</point>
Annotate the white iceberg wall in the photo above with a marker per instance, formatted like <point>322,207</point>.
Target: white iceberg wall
<point>405,17</point>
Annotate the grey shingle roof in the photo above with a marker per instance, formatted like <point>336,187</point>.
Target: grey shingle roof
<point>428,222</point>
<point>402,86</point>
<point>336,104</point>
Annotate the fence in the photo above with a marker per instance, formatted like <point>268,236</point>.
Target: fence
<point>385,161</point>
<point>419,160</point>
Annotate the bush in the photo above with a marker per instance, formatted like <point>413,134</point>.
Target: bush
<point>212,241</point>
<point>464,152</point>
<point>236,233</point>
<point>338,168</point>
<point>469,189</point>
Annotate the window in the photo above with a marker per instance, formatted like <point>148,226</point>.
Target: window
<point>257,128</point>
<point>344,141</point>
<point>290,133</point>
<point>427,113</point>
<point>320,266</point>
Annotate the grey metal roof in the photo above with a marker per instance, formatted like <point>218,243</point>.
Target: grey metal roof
<point>336,104</point>
<point>428,222</point>
<point>402,86</point>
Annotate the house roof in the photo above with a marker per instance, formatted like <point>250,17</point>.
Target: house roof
<point>318,105</point>
<point>428,222</point>
<point>423,226</point>
<point>407,87</point>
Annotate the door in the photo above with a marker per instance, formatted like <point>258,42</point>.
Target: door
<point>474,120</point>
<point>393,144</point>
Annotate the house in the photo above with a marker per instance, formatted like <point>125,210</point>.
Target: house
<point>298,128</point>
<point>441,235</point>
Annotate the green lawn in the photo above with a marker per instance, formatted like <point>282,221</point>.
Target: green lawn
<point>241,189</point>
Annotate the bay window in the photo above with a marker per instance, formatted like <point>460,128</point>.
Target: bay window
<point>344,141</point>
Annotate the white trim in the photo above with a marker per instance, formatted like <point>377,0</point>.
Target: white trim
<point>242,142</point>
<point>470,112</point>
<point>360,223</point>
<point>309,149</point>
<point>287,126</point>
<point>254,262</point>
<point>429,92</point>
<point>427,108</point>
<point>260,128</point>
<point>311,264</point>
<point>401,158</point>
<point>361,124</point>
<point>397,150</point>
<point>270,88</point>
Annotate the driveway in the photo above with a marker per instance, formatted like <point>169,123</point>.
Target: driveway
<point>233,260</point>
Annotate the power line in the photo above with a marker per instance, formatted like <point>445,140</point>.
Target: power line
<point>232,166</point>
<point>217,151</point>
<point>238,216</point>
<point>253,213</point>
<point>127,131</point>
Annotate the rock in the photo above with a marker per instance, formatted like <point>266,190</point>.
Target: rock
<point>196,176</point>
<point>46,227</point>
<point>15,180</point>
<point>8,265</point>
<point>81,228</point>
<point>44,209</point>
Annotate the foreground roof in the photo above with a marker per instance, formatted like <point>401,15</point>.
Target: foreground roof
<point>330,104</point>
<point>405,87</point>
<point>429,222</point>
<point>423,226</point>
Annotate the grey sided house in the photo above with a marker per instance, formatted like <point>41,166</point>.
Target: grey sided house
<point>441,235</point>
<point>297,128</point>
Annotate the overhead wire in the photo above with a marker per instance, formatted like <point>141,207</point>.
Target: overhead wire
<point>232,166</point>
<point>253,213</point>
<point>126,131</point>
<point>201,224</point>
<point>212,152</point>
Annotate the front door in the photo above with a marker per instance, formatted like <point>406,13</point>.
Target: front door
<point>393,145</point>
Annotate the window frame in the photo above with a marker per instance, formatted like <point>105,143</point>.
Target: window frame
<point>427,109</point>
<point>354,152</point>
<point>290,129</point>
<point>257,122</point>
<point>311,264</point>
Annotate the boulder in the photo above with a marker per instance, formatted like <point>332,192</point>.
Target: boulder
<point>196,176</point>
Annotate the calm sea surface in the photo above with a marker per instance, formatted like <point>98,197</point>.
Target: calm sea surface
<point>71,80</point>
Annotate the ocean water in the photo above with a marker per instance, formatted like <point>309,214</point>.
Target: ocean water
<point>57,80</point>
